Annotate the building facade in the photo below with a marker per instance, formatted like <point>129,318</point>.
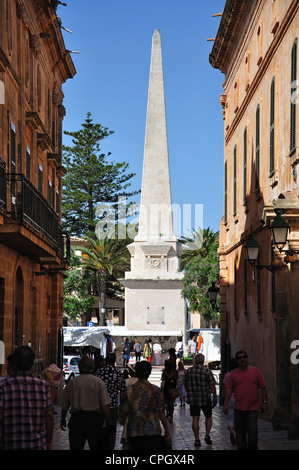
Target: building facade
<point>256,48</point>
<point>33,66</point>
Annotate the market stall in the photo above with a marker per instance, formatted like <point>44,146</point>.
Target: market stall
<point>87,340</point>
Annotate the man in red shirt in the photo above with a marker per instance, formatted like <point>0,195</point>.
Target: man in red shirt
<point>247,383</point>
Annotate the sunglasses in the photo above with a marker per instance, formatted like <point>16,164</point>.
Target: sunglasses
<point>241,357</point>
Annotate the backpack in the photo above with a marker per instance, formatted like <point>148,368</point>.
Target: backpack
<point>127,348</point>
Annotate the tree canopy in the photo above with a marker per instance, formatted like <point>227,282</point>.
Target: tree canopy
<point>91,179</point>
<point>201,268</point>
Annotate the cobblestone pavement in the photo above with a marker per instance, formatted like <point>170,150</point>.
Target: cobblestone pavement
<point>183,439</point>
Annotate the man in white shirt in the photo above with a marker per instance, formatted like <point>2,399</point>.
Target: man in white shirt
<point>157,350</point>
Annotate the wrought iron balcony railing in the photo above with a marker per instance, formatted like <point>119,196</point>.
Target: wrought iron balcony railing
<point>25,204</point>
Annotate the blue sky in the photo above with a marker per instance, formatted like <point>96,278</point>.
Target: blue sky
<point>114,40</point>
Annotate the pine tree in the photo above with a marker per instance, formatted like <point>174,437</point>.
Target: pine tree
<point>91,179</point>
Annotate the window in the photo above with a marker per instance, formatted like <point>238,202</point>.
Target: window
<point>245,168</point>
<point>57,201</point>
<point>293,98</point>
<point>257,148</point>
<point>272,127</point>
<point>2,185</point>
<point>28,162</point>
<point>235,181</point>
<point>225,192</point>
<point>245,287</point>
<point>13,167</point>
<point>49,192</point>
<point>40,178</point>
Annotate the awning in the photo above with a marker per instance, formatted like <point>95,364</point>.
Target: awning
<point>122,331</point>
<point>84,336</point>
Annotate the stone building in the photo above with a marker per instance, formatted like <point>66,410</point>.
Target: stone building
<point>256,48</point>
<point>34,64</point>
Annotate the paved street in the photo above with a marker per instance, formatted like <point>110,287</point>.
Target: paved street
<point>183,439</point>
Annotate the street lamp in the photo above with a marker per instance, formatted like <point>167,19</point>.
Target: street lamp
<point>279,230</point>
<point>252,250</point>
<point>212,293</point>
<point>252,254</point>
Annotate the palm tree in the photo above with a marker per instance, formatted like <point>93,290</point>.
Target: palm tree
<point>109,259</point>
<point>199,244</point>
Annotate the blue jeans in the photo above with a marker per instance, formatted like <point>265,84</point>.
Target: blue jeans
<point>246,429</point>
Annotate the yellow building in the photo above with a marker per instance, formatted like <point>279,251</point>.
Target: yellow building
<point>256,48</point>
<point>33,66</point>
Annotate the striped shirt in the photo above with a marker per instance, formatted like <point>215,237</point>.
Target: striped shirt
<point>24,401</point>
<point>198,381</point>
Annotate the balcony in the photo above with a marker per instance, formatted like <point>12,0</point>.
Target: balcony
<point>31,225</point>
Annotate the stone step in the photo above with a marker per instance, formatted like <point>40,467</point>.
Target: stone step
<point>155,377</point>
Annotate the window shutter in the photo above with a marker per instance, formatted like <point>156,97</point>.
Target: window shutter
<point>272,128</point>
<point>13,167</point>
<point>245,168</point>
<point>40,178</point>
<point>28,162</point>
<point>257,148</point>
<point>235,180</point>
<point>225,192</point>
<point>293,97</point>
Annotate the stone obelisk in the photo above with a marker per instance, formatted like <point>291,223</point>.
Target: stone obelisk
<point>153,286</point>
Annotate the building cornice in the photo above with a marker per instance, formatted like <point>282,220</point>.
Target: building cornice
<point>233,18</point>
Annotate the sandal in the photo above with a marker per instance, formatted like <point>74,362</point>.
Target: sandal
<point>197,443</point>
<point>208,440</point>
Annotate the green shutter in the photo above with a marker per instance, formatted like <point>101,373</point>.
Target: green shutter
<point>40,179</point>
<point>235,180</point>
<point>245,168</point>
<point>293,97</point>
<point>272,126</point>
<point>225,192</point>
<point>13,168</point>
<point>257,147</point>
<point>28,163</point>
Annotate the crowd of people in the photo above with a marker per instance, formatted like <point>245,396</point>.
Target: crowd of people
<point>96,400</point>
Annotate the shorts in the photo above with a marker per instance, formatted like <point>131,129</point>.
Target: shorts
<point>207,409</point>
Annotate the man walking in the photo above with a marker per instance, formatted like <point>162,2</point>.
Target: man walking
<point>115,384</point>
<point>126,347</point>
<point>157,350</point>
<point>88,400</point>
<point>25,427</point>
<point>247,383</point>
<point>200,384</point>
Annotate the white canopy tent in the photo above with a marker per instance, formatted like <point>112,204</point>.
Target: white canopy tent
<point>78,336</point>
<point>167,339</point>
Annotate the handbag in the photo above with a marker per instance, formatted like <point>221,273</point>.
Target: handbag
<point>174,392</point>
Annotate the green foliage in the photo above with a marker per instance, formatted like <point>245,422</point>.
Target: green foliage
<point>201,268</point>
<point>107,259</point>
<point>91,179</point>
<point>77,299</point>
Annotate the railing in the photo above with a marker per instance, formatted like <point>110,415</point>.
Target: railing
<point>26,204</point>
